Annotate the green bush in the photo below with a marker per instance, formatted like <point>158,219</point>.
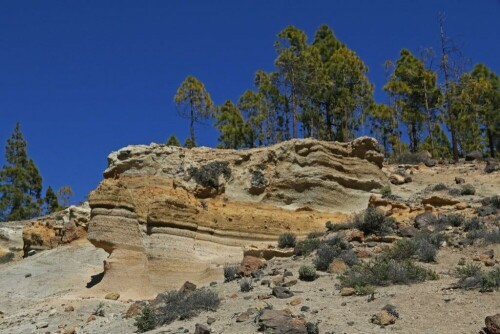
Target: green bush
<point>287,240</point>
<point>471,276</point>
<point>373,221</point>
<point>453,219</point>
<point>184,305</point>
<point>306,247</point>
<point>440,187</point>
<point>384,271</point>
<point>230,272</point>
<point>418,248</point>
<point>385,191</point>
<point>246,285</point>
<point>146,320</point>
<point>338,227</point>
<point>467,189</point>
<point>315,234</point>
<point>331,249</point>
<point>307,273</point>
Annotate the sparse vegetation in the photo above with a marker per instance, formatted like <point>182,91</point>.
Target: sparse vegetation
<point>408,158</point>
<point>306,247</point>
<point>185,305</point>
<point>384,271</point>
<point>315,234</point>
<point>373,221</point>
<point>418,248</point>
<point>146,320</point>
<point>230,272</point>
<point>208,175</point>
<point>338,227</point>
<point>99,310</point>
<point>440,187</point>
<point>471,276</point>
<point>287,240</point>
<point>307,273</point>
<point>331,249</point>
<point>467,189</point>
<point>386,191</point>
<point>246,285</point>
<point>453,219</point>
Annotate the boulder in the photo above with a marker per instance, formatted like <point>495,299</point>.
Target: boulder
<point>430,163</point>
<point>281,292</point>
<point>383,318</point>
<point>397,179</point>
<point>187,287</point>
<point>474,155</point>
<point>493,323</point>
<point>112,296</point>
<point>281,322</point>
<point>201,329</point>
<point>249,265</point>
<point>491,166</point>
<point>437,200</point>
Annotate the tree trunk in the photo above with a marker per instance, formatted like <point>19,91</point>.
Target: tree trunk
<point>191,125</point>
<point>491,142</point>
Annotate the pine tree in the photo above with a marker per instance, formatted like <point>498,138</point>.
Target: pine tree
<point>51,202</point>
<point>352,91</point>
<point>415,89</point>
<point>193,102</point>
<point>64,194</point>
<point>381,120</point>
<point>489,105</point>
<point>173,141</point>
<point>231,125</point>
<point>290,46</point>
<point>253,106</point>
<point>20,181</point>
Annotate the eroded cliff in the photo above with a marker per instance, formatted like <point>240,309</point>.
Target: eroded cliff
<point>166,214</point>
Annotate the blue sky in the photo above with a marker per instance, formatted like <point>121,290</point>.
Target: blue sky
<point>85,78</point>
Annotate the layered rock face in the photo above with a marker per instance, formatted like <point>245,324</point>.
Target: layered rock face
<point>167,214</point>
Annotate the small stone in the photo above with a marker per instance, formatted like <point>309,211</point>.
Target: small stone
<point>187,287</point>
<point>27,275</point>
<point>69,308</point>
<point>345,292</point>
<point>112,296</point>
<point>199,329</point>
<point>289,283</point>
<point>282,292</point>
<point>305,308</point>
<point>42,325</point>
<point>210,320</point>
<point>493,323</point>
<point>459,180</point>
<point>383,318</point>
<point>243,317</point>
<point>295,302</point>
<point>91,318</point>
<point>264,296</point>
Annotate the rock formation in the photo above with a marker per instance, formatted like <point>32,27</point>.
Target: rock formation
<point>61,227</point>
<point>169,214</point>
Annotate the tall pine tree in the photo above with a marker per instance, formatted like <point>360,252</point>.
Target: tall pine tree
<point>20,181</point>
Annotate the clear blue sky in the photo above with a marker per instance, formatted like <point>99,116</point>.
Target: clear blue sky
<point>85,78</point>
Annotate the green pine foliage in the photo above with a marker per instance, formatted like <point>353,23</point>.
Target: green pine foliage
<point>193,102</point>
<point>51,202</point>
<point>231,126</point>
<point>20,181</point>
<point>173,141</point>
